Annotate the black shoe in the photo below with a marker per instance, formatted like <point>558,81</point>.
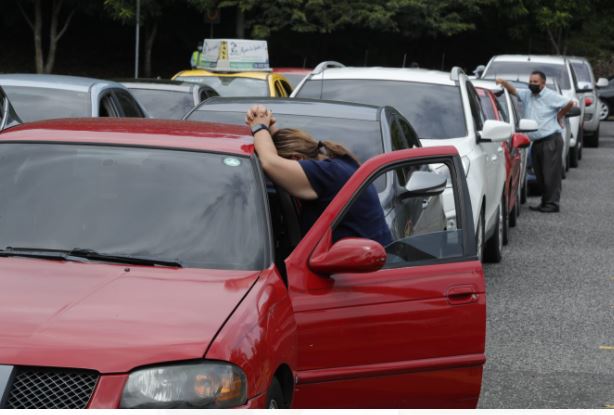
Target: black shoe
<point>549,209</point>
<point>537,208</point>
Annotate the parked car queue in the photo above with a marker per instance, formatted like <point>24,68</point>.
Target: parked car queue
<point>105,220</point>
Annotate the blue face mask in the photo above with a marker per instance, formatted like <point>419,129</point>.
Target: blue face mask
<point>535,88</point>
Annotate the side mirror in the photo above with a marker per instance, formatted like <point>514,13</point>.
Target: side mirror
<point>602,83</point>
<point>423,184</point>
<point>574,112</point>
<point>526,125</point>
<point>521,140</point>
<point>496,131</point>
<point>350,255</point>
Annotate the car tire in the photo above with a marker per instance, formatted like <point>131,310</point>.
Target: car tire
<point>275,396</point>
<point>580,144</point>
<point>604,110</point>
<point>493,248</point>
<point>506,220</point>
<point>592,140</point>
<point>515,212</point>
<point>573,156</point>
<point>479,236</point>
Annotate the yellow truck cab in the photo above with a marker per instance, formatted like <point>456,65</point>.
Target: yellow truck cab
<point>237,67</point>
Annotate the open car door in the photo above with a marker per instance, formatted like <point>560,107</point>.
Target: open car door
<point>401,326</point>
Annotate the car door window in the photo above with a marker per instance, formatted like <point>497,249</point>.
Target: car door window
<point>476,109</point>
<point>286,87</point>
<point>128,105</point>
<point>279,89</point>
<point>423,228</point>
<point>107,107</point>
<point>411,138</point>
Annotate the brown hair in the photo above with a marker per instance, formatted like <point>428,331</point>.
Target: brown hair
<point>291,142</point>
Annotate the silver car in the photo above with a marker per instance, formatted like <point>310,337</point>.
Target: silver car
<point>42,97</point>
<point>8,116</point>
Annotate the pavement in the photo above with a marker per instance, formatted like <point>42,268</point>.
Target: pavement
<point>550,330</point>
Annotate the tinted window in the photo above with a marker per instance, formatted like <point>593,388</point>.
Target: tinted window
<point>476,108</point>
<point>520,71</point>
<point>411,137</point>
<point>489,110</point>
<point>129,107</point>
<point>33,104</point>
<point>583,72</point>
<point>435,111</point>
<point>230,86</point>
<point>164,104</point>
<point>503,106</point>
<point>203,210</point>
<point>294,78</point>
<point>363,138</point>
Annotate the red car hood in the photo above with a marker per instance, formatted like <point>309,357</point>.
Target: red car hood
<point>111,318</point>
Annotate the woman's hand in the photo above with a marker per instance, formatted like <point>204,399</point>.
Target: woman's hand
<point>259,114</point>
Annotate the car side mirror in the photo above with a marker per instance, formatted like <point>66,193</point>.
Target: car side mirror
<point>424,184</point>
<point>350,255</point>
<point>526,125</point>
<point>602,83</point>
<point>521,140</point>
<point>496,131</point>
<point>574,112</point>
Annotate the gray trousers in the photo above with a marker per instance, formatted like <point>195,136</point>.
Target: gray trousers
<point>546,155</point>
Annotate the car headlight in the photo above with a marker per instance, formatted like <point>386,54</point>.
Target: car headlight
<point>200,385</point>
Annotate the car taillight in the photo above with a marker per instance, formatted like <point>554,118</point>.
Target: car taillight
<point>588,101</point>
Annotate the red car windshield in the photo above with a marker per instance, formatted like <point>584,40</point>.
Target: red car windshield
<point>202,210</point>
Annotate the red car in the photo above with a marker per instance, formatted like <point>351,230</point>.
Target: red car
<point>293,75</point>
<point>151,264</point>
<point>513,156</point>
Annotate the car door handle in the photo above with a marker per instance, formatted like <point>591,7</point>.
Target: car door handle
<point>462,294</point>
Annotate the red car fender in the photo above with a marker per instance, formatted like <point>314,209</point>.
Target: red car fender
<point>261,335</point>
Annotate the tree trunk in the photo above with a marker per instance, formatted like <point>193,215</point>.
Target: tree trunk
<point>149,42</point>
<point>553,42</point>
<point>56,6</point>
<point>240,24</point>
<point>38,36</point>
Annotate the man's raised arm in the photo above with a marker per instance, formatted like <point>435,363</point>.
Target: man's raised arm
<point>505,84</point>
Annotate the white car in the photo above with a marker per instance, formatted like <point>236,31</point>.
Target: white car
<point>519,68</point>
<point>445,110</point>
<point>587,88</point>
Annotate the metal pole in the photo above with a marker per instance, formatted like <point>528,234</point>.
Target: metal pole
<point>137,39</point>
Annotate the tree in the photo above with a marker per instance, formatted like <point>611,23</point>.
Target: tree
<point>34,12</point>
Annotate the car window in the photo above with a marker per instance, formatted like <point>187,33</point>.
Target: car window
<point>33,103</point>
<point>286,86</point>
<point>280,90</point>
<point>476,109</point>
<point>203,210</point>
<point>230,86</point>
<point>520,71</point>
<point>411,137</point>
<point>487,106</point>
<point>164,104</point>
<point>128,105</point>
<point>423,228</point>
<point>583,72</point>
<point>107,106</point>
<point>502,105</point>
<point>435,111</point>
<point>294,79</point>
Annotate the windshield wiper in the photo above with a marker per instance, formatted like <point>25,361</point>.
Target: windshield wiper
<point>90,254</point>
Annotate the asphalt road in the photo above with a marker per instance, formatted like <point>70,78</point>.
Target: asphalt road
<point>550,332</point>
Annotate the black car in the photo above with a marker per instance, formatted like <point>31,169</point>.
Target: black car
<point>168,99</point>
<point>366,130</point>
<point>606,95</point>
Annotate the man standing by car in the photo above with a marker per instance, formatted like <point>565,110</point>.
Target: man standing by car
<point>547,108</point>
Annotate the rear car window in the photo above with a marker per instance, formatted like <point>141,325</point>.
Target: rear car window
<point>520,71</point>
<point>230,86</point>
<point>33,103</point>
<point>583,73</point>
<point>164,104</point>
<point>435,111</point>
<point>202,210</point>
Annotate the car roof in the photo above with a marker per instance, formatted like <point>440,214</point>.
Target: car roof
<point>295,106</point>
<point>184,135</point>
<point>486,84</point>
<point>64,82</point>
<point>530,58</point>
<point>162,85</point>
<point>291,70</point>
<point>389,74</point>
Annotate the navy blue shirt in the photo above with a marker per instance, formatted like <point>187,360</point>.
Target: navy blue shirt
<point>364,219</point>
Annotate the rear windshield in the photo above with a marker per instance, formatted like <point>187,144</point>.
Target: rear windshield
<point>200,209</point>
<point>363,138</point>
<point>230,86</point>
<point>435,111</point>
<point>583,73</point>
<point>164,104</point>
<point>33,104</point>
<point>520,71</point>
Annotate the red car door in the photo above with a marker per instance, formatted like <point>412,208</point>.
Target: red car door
<point>411,334</point>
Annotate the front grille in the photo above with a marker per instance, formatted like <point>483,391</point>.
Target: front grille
<point>41,388</point>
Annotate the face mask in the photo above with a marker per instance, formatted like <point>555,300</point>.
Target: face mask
<point>534,88</point>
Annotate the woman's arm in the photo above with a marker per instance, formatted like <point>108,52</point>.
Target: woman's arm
<point>286,173</point>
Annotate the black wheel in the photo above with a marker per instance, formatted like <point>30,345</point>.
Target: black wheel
<point>573,155</point>
<point>515,212</point>
<point>506,220</point>
<point>592,140</point>
<point>275,396</point>
<point>479,237</point>
<point>494,246</point>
